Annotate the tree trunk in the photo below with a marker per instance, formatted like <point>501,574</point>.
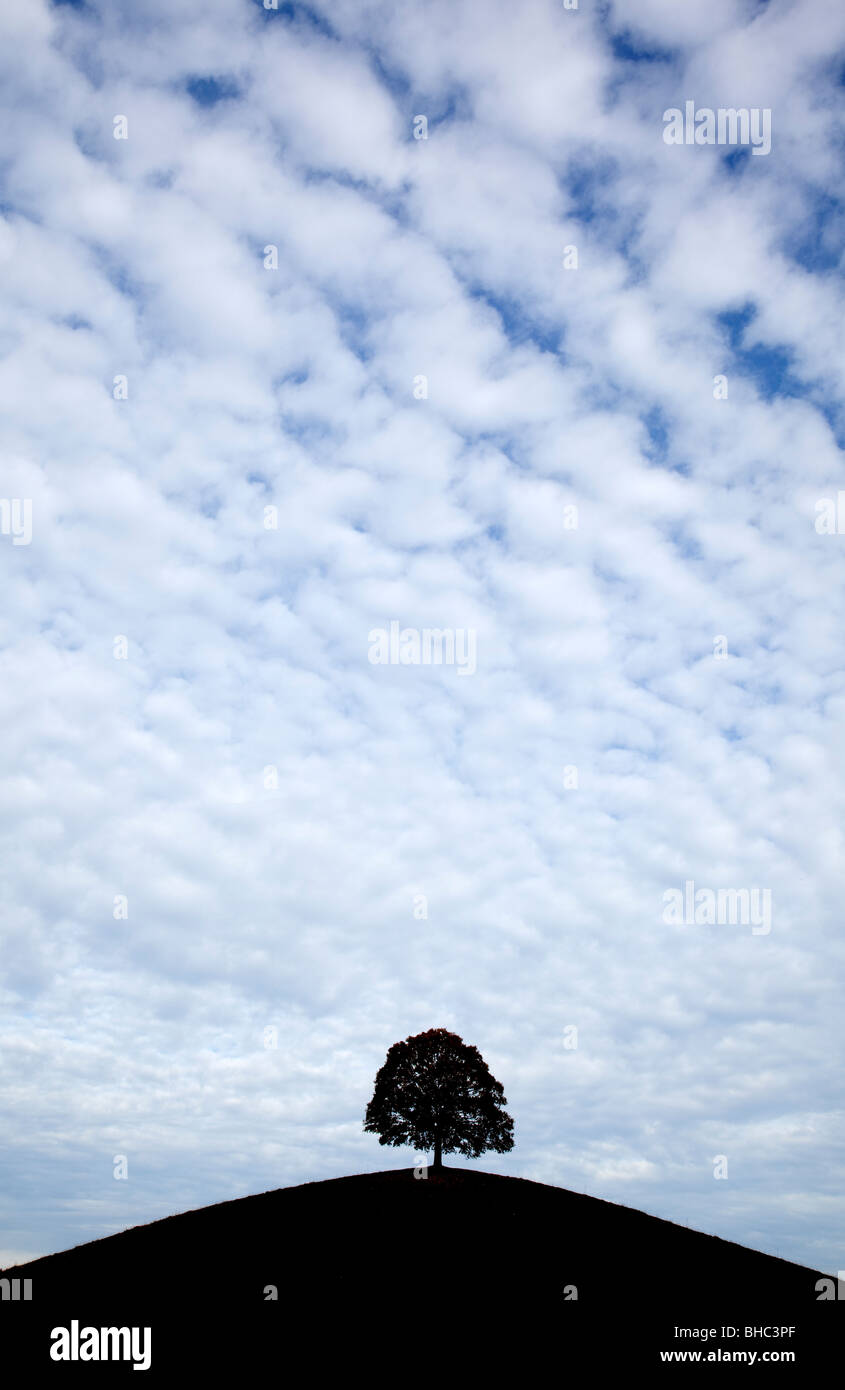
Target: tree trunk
<point>438,1155</point>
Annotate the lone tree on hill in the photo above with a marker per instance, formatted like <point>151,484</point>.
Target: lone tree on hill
<point>435,1092</point>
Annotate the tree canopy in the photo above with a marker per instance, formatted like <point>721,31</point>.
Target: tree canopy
<point>435,1091</point>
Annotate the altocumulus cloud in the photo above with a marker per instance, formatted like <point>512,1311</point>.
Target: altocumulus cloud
<point>281,373</point>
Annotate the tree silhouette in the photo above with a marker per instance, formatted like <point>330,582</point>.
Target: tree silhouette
<point>435,1092</point>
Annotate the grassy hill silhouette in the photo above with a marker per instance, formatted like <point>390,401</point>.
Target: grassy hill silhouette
<point>458,1250</point>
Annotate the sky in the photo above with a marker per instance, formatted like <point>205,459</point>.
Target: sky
<point>337,316</point>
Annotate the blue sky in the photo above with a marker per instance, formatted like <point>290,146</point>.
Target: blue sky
<point>286,901</point>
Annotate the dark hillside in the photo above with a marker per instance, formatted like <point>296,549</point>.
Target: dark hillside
<point>386,1256</point>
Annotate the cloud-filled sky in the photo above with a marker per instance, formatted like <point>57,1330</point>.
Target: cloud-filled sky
<point>605,466</point>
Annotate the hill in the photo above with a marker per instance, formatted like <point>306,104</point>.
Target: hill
<point>500,1262</point>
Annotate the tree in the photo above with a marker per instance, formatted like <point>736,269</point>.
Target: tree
<point>435,1092</point>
